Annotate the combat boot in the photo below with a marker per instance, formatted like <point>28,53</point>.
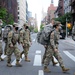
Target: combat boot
<point>9,65</point>
<point>54,63</point>
<point>65,69</point>
<point>42,62</point>
<point>46,69</point>
<point>1,59</point>
<point>26,59</point>
<point>18,64</point>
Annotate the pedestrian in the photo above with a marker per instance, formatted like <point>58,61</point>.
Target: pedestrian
<point>12,47</point>
<point>1,50</point>
<point>26,42</point>
<point>52,50</point>
<point>52,22</point>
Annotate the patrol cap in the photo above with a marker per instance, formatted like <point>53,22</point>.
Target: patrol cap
<point>25,24</point>
<point>57,23</point>
<point>15,25</point>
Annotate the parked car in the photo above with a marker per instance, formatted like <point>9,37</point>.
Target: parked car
<point>73,33</point>
<point>62,33</point>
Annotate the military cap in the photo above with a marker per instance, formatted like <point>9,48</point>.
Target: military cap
<point>57,23</point>
<point>25,24</point>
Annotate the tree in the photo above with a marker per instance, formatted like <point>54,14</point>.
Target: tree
<point>31,28</point>
<point>3,13</point>
<point>41,27</point>
<point>35,30</point>
<point>63,18</point>
<point>5,16</point>
<point>10,19</point>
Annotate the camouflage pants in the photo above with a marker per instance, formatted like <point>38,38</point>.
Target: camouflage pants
<point>26,49</point>
<point>44,56</point>
<point>1,48</point>
<point>14,50</point>
<point>5,49</point>
<point>49,55</point>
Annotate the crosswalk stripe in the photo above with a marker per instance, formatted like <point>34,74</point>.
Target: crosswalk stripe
<point>34,40</point>
<point>14,62</point>
<point>37,60</point>
<point>56,61</point>
<point>69,55</point>
<point>3,56</point>
<point>38,52</point>
<point>41,72</point>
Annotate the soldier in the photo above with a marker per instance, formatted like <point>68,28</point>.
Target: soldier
<point>52,50</point>
<point>52,22</point>
<point>12,47</point>
<point>26,42</point>
<point>7,29</point>
<point>1,52</point>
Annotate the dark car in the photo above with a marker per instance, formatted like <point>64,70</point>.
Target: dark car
<point>62,33</point>
<point>73,33</point>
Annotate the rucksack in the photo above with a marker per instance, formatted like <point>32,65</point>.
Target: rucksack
<point>43,36</point>
<point>5,32</point>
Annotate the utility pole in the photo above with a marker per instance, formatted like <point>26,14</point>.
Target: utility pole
<point>66,28</point>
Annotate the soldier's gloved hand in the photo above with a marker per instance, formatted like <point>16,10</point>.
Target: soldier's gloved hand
<point>45,46</point>
<point>11,45</point>
<point>56,50</point>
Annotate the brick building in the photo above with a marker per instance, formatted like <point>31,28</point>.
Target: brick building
<point>60,8</point>
<point>72,3</point>
<point>51,10</point>
<point>11,6</point>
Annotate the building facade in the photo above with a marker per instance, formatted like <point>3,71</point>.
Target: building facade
<point>72,4</point>
<point>21,12</point>
<point>60,8</point>
<point>26,11</point>
<point>11,6</point>
<point>51,10</point>
<point>67,7</point>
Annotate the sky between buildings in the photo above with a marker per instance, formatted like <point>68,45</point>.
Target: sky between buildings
<point>35,6</point>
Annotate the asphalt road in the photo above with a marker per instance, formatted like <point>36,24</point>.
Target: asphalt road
<point>35,67</point>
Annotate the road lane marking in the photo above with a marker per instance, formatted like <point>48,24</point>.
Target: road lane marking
<point>38,52</point>
<point>37,60</point>
<point>34,40</point>
<point>3,56</point>
<point>14,62</point>
<point>41,72</point>
<point>69,55</point>
<point>56,61</point>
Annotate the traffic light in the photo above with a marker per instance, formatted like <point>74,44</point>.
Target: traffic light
<point>69,25</point>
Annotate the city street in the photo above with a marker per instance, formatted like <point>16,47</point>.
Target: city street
<point>67,50</point>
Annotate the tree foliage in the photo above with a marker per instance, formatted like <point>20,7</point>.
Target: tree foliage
<point>41,27</point>
<point>63,18</point>
<point>66,17</point>
<point>5,16</point>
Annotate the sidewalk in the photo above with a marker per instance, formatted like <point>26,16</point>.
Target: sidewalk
<point>69,40</point>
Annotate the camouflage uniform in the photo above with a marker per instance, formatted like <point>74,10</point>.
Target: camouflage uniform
<point>12,40</point>
<point>1,52</point>
<point>54,37</point>
<point>25,40</point>
<point>44,56</point>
